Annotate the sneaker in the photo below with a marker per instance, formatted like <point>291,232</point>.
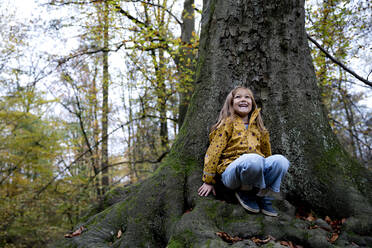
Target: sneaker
<point>247,201</point>
<point>266,206</point>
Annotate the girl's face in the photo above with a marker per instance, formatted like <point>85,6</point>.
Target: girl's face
<point>242,102</point>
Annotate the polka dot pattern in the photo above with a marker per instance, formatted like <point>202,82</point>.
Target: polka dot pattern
<point>231,140</point>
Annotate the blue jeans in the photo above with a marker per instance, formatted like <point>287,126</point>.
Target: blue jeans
<point>254,170</point>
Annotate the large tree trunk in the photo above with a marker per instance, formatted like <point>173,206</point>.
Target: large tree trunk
<point>261,45</point>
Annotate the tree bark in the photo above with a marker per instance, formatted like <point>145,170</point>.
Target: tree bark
<point>261,45</point>
<point>186,53</point>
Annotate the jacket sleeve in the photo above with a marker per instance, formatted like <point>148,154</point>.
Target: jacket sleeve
<point>218,141</point>
<point>265,144</point>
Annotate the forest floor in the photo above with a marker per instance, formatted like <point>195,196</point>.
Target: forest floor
<point>213,222</point>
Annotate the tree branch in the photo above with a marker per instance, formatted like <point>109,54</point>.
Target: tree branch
<point>351,133</point>
<point>158,160</point>
<point>160,6</point>
<point>334,60</point>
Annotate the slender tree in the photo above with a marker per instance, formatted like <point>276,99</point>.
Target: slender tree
<point>105,96</point>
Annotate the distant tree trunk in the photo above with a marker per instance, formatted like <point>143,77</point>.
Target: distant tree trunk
<point>162,101</point>
<point>93,105</point>
<point>105,107</point>
<point>186,53</point>
<point>131,146</point>
<point>261,45</point>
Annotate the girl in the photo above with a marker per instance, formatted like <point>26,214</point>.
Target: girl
<point>240,153</point>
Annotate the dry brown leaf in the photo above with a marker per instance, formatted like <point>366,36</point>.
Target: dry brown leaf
<point>256,240</point>
<point>76,233</point>
<point>271,237</point>
<point>262,241</point>
<point>327,219</point>
<point>284,243</point>
<point>333,238</point>
<point>310,217</point>
<point>188,211</point>
<point>313,227</point>
<point>227,238</point>
<point>119,234</point>
<point>287,243</point>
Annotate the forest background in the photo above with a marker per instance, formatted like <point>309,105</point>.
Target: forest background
<point>92,95</point>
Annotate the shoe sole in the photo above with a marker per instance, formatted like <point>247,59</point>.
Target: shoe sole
<point>269,213</point>
<point>255,211</point>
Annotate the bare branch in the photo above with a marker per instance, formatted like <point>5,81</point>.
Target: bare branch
<point>160,6</point>
<point>158,160</point>
<point>352,134</point>
<point>334,60</point>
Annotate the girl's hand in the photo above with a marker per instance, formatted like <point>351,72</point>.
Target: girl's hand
<point>205,189</point>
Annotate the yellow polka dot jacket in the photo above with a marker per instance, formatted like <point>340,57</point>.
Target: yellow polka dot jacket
<point>232,139</point>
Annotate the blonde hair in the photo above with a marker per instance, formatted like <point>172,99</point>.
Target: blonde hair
<point>228,110</point>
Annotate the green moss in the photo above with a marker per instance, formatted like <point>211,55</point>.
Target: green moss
<point>175,244</point>
<point>337,162</point>
<point>211,210</point>
<point>208,243</point>
<point>184,239</point>
<point>199,66</point>
<point>180,165</point>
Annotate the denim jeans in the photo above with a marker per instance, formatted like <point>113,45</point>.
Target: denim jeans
<point>254,170</point>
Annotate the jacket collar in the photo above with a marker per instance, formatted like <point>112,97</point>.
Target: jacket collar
<point>252,118</point>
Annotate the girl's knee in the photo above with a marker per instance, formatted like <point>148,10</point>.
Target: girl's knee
<point>281,162</point>
<point>253,162</point>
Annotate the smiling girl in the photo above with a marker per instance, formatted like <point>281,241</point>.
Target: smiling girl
<point>240,153</point>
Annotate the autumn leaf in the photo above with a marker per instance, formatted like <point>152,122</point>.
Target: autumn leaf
<point>119,234</point>
<point>76,233</point>
<point>188,211</point>
<point>313,227</point>
<point>327,219</point>
<point>288,243</point>
<point>310,217</point>
<point>262,241</point>
<point>227,238</point>
<point>333,238</point>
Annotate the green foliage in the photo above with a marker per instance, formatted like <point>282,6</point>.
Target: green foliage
<point>29,150</point>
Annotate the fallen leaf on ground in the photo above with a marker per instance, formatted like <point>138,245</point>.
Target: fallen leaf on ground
<point>262,241</point>
<point>327,219</point>
<point>119,234</point>
<point>227,238</point>
<point>313,227</point>
<point>188,211</point>
<point>287,243</point>
<point>333,238</point>
<point>310,217</point>
<point>76,233</point>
